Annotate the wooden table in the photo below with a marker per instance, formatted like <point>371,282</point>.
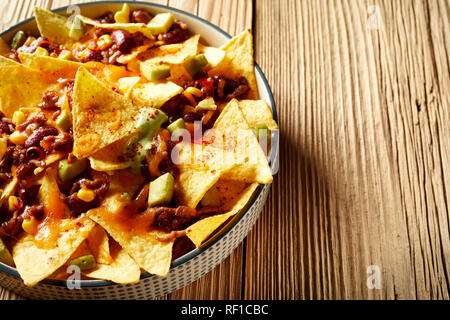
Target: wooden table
<point>360,206</point>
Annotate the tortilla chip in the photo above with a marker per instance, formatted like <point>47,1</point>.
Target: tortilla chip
<point>257,112</point>
<point>154,94</point>
<point>100,115</point>
<point>239,61</point>
<point>4,62</point>
<point>122,269</point>
<point>126,58</point>
<point>59,68</point>
<point>52,26</point>
<point>240,147</point>
<point>235,199</point>
<point>198,172</point>
<point>130,27</point>
<point>98,243</point>
<point>110,158</point>
<point>22,87</point>
<point>35,264</point>
<point>152,255</point>
<point>173,54</point>
<point>9,189</point>
<point>126,84</point>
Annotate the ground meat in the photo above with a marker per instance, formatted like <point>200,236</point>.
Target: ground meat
<point>6,125</point>
<point>77,206</point>
<point>107,17</point>
<point>169,219</point>
<point>91,55</point>
<point>62,142</point>
<point>122,39</point>
<point>175,35</point>
<point>13,222</point>
<point>227,89</point>
<point>140,16</point>
<point>38,118</point>
<point>49,100</point>
<point>29,194</point>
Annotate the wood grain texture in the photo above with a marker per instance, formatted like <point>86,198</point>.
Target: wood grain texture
<point>362,94</point>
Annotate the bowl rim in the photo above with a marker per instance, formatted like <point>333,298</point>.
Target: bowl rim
<point>233,222</point>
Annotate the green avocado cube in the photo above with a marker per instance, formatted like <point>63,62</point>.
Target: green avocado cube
<point>161,190</point>
<point>5,255</point>
<point>195,64</point>
<point>64,121</point>
<point>262,132</point>
<point>176,127</point>
<point>84,262</point>
<point>155,73</point>
<point>18,39</point>
<point>77,29</point>
<point>161,23</point>
<point>67,171</point>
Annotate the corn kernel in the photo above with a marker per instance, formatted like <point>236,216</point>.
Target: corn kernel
<point>18,117</point>
<point>104,42</point>
<point>86,195</point>
<point>3,146</point>
<point>13,203</point>
<point>30,225</point>
<point>18,137</point>
<point>194,91</point>
<point>190,98</point>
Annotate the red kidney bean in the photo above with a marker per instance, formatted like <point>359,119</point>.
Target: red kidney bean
<point>92,55</point>
<point>174,36</point>
<point>122,40</point>
<point>140,16</point>
<point>39,134</point>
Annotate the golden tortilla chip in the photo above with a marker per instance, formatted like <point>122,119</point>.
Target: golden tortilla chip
<point>235,199</point>
<point>59,68</point>
<point>240,147</point>
<point>35,264</point>
<point>130,27</point>
<point>154,94</point>
<point>257,112</point>
<point>173,54</point>
<point>100,115</point>
<point>4,62</point>
<point>52,26</point>
<point>122,269</point>
<point>110,158</point>
<point>198,172</point>
<point>23,87</point>
<point>239,61</point>
<point>126,84</point>
<point>152,255</point>
<point>98,243</point>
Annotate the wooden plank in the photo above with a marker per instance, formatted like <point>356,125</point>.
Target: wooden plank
<point>363,175</point>
<point>218,284</point>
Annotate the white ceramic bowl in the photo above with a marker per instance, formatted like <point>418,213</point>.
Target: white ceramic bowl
<point>192,265</point>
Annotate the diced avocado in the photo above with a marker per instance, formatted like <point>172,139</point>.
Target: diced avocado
<point>176,125</point>
<point>211,198</point>
<point>84,262</point>
<point>161,23</point>
<point>195,64</point>
<point>155,73</point>
<point>65,55</point>
<point>41,52</point>
<point>67,171</point>
<point>148,124</point>
<point>18,39</point>
<point>262,131</point>
<point>206,104</point>
<point>77,29</point>
<point>64,121</point>
<point>161,190</point>
<point>126,195</point>
<point>214,55</point>
<point>5,255</point>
